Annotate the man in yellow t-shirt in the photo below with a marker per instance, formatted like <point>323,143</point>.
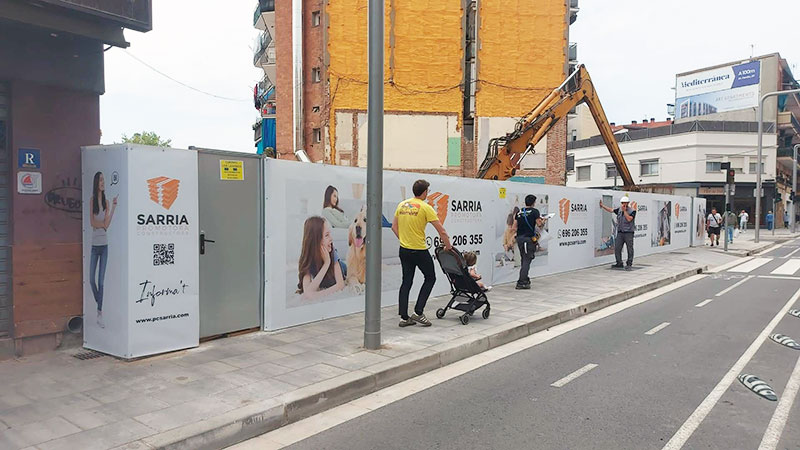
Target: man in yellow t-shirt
<point>410,220</point>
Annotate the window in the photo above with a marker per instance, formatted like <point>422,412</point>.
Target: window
<point>584,173</point>
<point>611,171</point>
<point>713,164</point>
<point>315,19</point>
<point>648,167</point>
<point>315,109</point>
<point>316,75</point>
<point>317,133</point>
<point>753,163</point>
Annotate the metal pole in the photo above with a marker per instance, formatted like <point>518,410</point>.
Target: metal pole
<point>727,210</point>
<point>794,188</point>
<point>758,163</point>
<point>372,307</point>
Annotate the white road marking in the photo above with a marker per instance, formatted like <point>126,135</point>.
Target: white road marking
<point>688,428</point>
<point>792,253</point>
<point>750,265</point>
<point>302,429</point>
<point>774,247</point>
<point>562,382</point>
<point>788,268</point>
<point>734,286</point>
<point>778,277</point>
<point>727,266</point>
<point>657,329</point>
<point>703,303</point>
<point>781,415</point>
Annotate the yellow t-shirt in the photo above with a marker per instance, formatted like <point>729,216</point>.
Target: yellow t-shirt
<point>412,217</point>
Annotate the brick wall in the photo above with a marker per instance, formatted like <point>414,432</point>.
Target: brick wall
<point>314,97</point>
<point>283,83</point>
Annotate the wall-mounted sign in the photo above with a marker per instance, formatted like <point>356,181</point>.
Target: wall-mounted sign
<point>29,182</point>
<point>29,158</point>
<point>711,190</point>
<point>231,169</point>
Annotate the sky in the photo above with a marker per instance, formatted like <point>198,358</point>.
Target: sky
<point>632,48</point>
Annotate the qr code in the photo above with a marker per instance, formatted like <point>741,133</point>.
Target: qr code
<point>163,254</point>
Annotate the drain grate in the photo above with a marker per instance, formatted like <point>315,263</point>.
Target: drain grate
<point>89,354</point>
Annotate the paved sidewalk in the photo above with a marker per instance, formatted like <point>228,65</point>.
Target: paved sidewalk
<point>232,389</point>
<point>745,245</point>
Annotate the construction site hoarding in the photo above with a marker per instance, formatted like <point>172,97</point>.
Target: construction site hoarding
<point>315,213</point>
<point>140,258</point>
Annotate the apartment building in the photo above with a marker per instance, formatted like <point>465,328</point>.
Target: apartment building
<point>454,80</point>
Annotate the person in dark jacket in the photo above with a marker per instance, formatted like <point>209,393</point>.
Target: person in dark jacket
<point>626,225</point>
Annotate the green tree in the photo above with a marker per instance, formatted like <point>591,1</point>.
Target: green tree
<point>147,138</point>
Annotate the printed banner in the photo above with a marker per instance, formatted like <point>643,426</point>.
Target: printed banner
<point>316,234</point>
<point>718,90</point>
<point>140,250</point>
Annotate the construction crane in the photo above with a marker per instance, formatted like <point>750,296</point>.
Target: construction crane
<point>505,153</point>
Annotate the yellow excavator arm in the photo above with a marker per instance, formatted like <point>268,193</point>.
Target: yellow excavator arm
<point>505,153</point>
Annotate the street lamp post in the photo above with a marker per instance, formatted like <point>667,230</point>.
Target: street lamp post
<point>794,188</point>
<point>758,163</point>
<point>372,306</point>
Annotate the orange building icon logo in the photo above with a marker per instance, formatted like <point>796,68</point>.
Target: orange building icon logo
<point>677,210</point>
<point>163,190</point>
<point>438,202</point>
<point>563,209</point>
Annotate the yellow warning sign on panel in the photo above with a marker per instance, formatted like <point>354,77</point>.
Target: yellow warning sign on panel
<point>231,169</point>
<point>502,193</point>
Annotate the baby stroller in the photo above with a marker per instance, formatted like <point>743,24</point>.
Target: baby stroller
<point>467,295</point>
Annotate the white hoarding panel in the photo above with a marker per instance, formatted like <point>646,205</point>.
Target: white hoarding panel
<point>699,221</point>
<point>718,90</point>
<point>315,213</point>
<point>140,251</point>
<point>163,260</point>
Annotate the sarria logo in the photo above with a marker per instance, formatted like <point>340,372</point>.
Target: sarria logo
<point>563,209</point>
<point>163,190</point>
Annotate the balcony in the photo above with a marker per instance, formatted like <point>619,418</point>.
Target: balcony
<point>264,55</point>
<point>264,16</point>
<point>573,11</point>
<point>573,52</point>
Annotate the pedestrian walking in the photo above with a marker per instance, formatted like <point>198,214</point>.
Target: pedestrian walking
<point>410,220</point>
<point>730,225</point>
<point>714,226</point>
<point>527,219</point>
<point>786,219</point>
<point>626,225</point>
<point>743,218</point>
<point>770,220</point>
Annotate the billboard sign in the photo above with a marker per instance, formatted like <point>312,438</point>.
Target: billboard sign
<point>723,89</point>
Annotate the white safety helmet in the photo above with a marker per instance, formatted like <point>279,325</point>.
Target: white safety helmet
<point>625,199</point>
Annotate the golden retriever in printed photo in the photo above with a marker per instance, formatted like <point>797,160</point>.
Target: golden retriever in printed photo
<point>357,250</point>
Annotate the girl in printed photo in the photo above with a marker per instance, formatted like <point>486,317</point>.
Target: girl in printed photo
<point>100,216</point>
<point>319,268</point>
<point>331,210</point>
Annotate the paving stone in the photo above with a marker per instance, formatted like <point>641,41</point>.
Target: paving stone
<point>255,392</point>
<point>101,438</point>
<point>254,358</point>
<point>185,413</point>
<point>110,393</point>
<point>306,359</point>
<point>311,375</point>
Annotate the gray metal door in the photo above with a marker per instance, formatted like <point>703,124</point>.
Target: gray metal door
<point>230,242</point>
<point>5,202</point>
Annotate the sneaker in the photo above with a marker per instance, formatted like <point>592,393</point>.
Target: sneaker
<point>487,289</point>
<point>421,319</point>
<point>617,266</point>
<point>628,267</point>
<point>523,286</point>
<point>407,323</point>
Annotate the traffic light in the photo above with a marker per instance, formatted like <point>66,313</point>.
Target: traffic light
<point>730,174</point>
<point>777,197</point>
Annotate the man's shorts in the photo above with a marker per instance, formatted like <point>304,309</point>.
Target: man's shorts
<point>713,231</point>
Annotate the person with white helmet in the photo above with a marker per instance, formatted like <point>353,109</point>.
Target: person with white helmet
<point>626,226</point>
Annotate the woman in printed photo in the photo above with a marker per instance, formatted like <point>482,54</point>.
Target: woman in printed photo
<point>319,269</point>
<point>100,217</point>
<point>331,210</point>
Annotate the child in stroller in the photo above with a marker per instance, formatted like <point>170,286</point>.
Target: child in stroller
<point>472,260</point>
<point>468,296</point>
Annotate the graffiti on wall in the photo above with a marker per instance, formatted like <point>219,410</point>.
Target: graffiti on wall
<point>66,197</point>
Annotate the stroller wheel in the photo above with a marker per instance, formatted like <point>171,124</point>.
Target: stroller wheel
<point>485,312</point>
<point>440,313</point>
<point>464,319</point>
